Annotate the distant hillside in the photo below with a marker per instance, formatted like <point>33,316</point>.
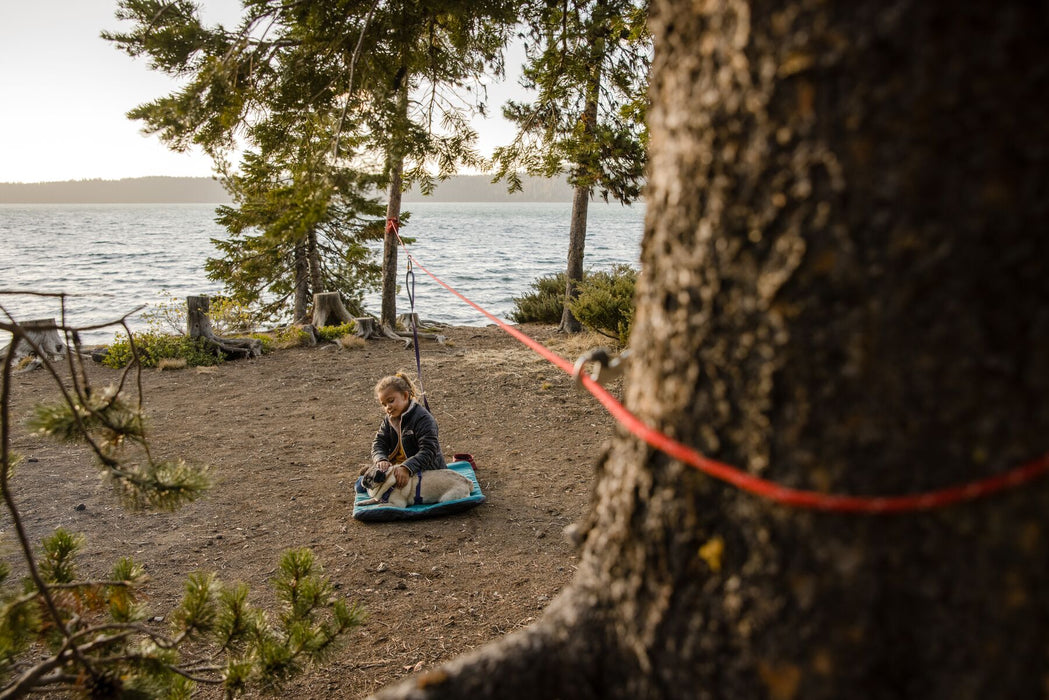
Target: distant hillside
<point>479,188</point>
<point>129,190</point>
<point>463,188</point>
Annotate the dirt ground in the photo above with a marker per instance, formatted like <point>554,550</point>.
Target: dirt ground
<point>285,436</point>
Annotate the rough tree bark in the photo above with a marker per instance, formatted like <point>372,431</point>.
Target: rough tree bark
<point>844,288</point>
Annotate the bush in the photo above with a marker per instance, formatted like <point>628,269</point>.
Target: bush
<point>333,333</point>
<point>267,341</point>
<point>227,317</point>
<point>153,346</point>
<point>605,303</point>
<point>545,305</point>
<point>291,337</point>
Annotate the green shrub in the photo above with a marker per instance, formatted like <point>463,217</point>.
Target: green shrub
<point>227,316</point>
<point>333,333</point>
<point>267,341</point>
<point>605,303</point>
<point>153,346</point>
<point>545,304</point>
<point>291,337</point>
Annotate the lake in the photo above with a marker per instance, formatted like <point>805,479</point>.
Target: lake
<point>112,258</point>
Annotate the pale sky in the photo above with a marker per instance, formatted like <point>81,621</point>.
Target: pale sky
<point>64,93</point>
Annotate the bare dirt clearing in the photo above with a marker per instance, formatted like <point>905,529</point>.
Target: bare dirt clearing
<point>285,435</point>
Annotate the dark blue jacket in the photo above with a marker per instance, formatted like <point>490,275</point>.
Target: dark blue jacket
<point>422,449</point>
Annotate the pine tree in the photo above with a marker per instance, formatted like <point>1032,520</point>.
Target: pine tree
<point>334,100</point>
<point>587,61</point>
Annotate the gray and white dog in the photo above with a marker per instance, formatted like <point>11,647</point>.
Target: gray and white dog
<point>428,486</point>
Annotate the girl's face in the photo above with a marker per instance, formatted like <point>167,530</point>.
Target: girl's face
<point>394,402</point>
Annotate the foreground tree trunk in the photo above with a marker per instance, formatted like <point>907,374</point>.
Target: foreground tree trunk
<point>845,288</point>
<point>388,311</point>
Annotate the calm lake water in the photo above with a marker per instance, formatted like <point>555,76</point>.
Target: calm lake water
<point>113,258</point>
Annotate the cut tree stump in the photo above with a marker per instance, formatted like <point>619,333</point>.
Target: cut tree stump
<point>328,306</point>
<point>40,332</point>
<point>407,320</point>
<point>367,328</point>
<point>199,326</point>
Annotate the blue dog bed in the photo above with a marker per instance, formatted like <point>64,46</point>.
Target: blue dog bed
<point>380,511</point>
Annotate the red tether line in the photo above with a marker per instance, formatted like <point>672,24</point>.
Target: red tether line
<point>812,500</point>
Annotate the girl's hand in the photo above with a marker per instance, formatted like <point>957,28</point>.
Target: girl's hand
<point>401,474</point>
<point>383,465</point>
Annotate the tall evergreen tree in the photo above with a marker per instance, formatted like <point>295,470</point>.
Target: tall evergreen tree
<point>587,61</point>
<point>330,95</point>
<point>420,83</point>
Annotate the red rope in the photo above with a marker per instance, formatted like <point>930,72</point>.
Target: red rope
<point>812,500</point>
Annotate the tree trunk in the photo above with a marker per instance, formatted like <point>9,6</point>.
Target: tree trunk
<point>313,259</point>
<point>198,325</point>
<point>300,310</point>
<point>581,199</point>
<point>844,288</point>
<point>388,312</point>
<point>574,271</point>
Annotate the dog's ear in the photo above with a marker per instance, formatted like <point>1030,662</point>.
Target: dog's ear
<point>364,470</point>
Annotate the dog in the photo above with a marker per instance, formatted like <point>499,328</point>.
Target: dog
<point>428,486</point>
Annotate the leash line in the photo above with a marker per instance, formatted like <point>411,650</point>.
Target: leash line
<point>393,225</point>
<point>798,498</point>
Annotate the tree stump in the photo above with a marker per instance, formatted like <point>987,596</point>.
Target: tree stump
<point>409,320</point>
<point>328,306</point>
<point>199,326</point>
<point>367,328</point>
<point>42,334</point>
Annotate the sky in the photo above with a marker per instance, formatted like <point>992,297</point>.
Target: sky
<point>64,94</point>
